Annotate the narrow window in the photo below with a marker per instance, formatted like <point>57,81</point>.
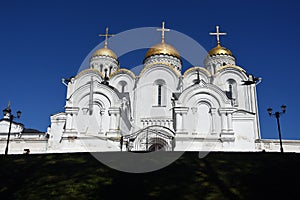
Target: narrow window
<point>230,91</point>
<point>160,92</point>
<point>159,95</point>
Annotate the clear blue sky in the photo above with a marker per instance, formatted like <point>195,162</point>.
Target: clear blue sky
<point>42,42</point>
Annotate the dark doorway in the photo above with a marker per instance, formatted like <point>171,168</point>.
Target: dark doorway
<point>156,147</point>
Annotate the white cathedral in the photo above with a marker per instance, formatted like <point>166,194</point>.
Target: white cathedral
<point>109,108</point>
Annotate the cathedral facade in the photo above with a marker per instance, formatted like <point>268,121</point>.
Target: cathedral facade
<point>109,108</point>
<point>161,108</point>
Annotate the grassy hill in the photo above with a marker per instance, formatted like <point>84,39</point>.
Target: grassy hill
<point>217,176</point>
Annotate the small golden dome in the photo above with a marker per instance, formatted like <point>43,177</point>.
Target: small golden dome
<point>105,52</point>
<point>162,48</point>
<point>219,50</point>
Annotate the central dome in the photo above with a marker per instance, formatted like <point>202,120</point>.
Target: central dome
<point>164,49</point>
<point>105,52</point>
<point>219,50</point>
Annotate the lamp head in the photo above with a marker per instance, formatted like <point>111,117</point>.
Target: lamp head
<point>19,114</point>
<point>270,111</point>
<point>283,108</point>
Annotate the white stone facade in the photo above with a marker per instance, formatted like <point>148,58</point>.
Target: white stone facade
<point>205,108</point>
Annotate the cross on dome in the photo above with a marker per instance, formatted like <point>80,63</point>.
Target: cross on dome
<point>8,105</point>
<point>218,34</point>
<point>106,35</point>
<point>162,48</point>
<point>163,30</point>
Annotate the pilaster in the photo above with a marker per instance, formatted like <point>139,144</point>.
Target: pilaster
<point>71,127</point>
<point>180,115</point>
<point>227,133</point>
<point>114,123</point>
<point>213,112</point>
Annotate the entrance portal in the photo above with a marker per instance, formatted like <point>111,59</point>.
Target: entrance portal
<point>156,147</point>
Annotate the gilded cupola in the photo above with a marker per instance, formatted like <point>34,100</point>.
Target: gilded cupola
<point>163,53</point>
<point>104,59</point>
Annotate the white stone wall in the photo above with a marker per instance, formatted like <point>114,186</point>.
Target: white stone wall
<point>272,145</point>
<point>202,114</point>
<point>146,94</point>
<point>17,146</point>
<point>15,127</point>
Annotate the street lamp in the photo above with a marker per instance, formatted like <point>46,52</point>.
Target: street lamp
<point>277,115</point>
<point>7,114</point>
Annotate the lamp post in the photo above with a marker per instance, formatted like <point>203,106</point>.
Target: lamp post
<point>7,114</point>
<point>277,115</point>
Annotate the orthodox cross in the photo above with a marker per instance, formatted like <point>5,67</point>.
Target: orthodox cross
<point>218,33</point>
<point>106,35</point>
<point>163,29</point>
<point>8,105</point>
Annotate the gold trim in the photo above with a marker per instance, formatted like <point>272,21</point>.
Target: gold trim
<point>231,66</point>
<point>195,68</point>
<point>87,71</point>
<point>159,63</point>
<point>127,71</point>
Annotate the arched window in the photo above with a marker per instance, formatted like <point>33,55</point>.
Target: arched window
<point>159,95</point>
<point>160,92</point>
<point>232,91</point>
<point>122,86</point>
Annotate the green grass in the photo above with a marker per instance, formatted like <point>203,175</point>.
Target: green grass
<point>217,176</point>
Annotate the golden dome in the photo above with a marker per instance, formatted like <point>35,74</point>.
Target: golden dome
<point>219,50</point>
<point>162,48</point>
<point>105,52</point>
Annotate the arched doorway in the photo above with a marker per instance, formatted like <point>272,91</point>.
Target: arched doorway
<point>156,147</point>
<point>157,144</point>
<point>152,138</point>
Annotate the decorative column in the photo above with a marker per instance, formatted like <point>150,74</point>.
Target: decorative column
<point>223,120</point>
<point>213,116</point>
<point>253,98</point>
<point>227,133</point>
<point>68,121</point>
<point>112,120</point>
<point>229,122</point>
<point>71,129</point>
<point>117,121</point>
<point>91,98</point>
<point>180,115</point>
<point>114,124</point>
<point>101,119</point>
<point>178,121</point>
